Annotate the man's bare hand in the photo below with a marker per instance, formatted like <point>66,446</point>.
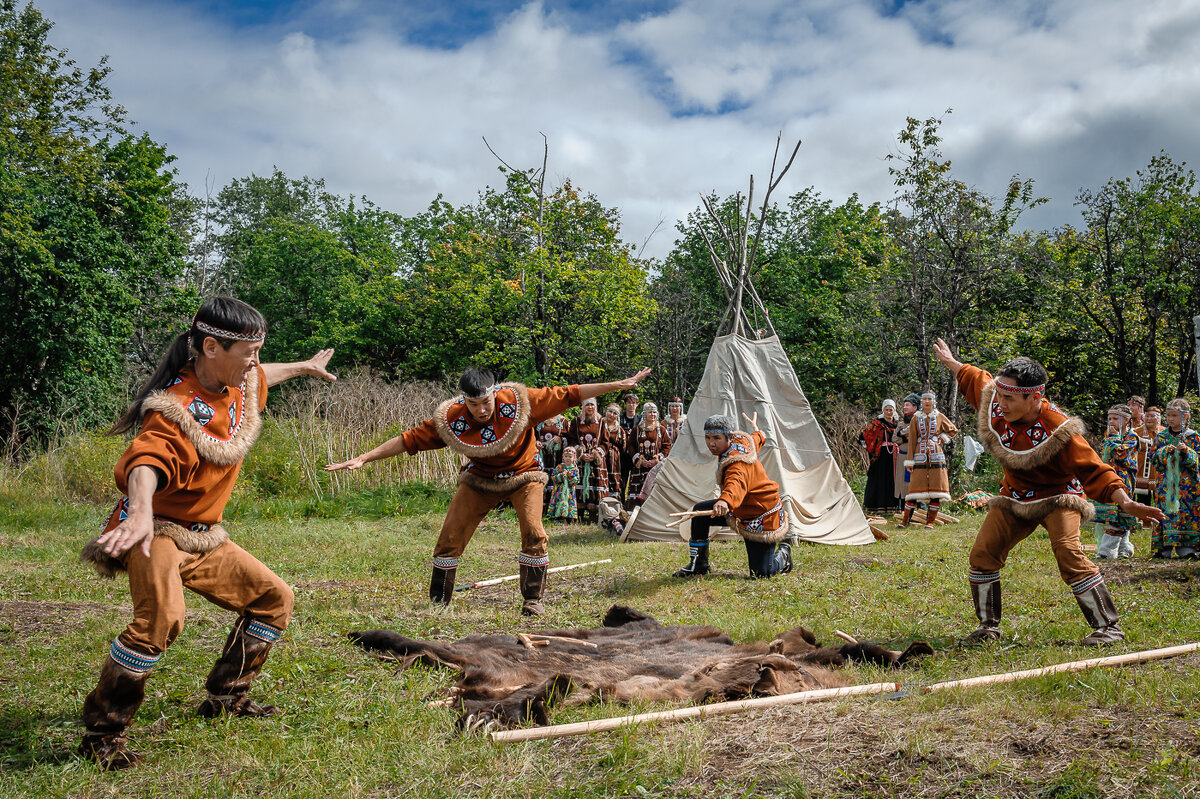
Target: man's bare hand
<point>941,351</point>
<point>630,382</point>
<point>128,534</point>
<point>316,365</point>
<point>753,421</point>
<point>721,508</point>
<point>350,465</point>
<point>1147,513</point>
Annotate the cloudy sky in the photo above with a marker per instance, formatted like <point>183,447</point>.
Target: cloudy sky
<point>648,104</point>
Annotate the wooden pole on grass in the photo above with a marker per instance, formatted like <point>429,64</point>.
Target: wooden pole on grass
<point>724,708</point>
<point>511,577</point>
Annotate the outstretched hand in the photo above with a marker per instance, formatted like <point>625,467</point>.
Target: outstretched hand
<point>941,351</point>
<point>1147,513</point>
<point>630,382</point>
<point>350,465</point>
<point>316,365</point>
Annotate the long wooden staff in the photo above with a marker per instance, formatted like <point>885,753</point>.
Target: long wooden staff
<point>511,577</point>
<point>724,708</point>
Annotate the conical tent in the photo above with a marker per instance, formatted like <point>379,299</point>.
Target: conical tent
<point>755,376</point>
<point>748,376</point>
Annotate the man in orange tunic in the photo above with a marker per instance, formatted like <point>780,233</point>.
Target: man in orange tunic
<point>199,415</point>
<point>1049,469</point>
<point>748,497</point>
<point>492,426</point>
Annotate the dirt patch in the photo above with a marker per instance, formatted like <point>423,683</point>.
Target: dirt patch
<point>884,749</point>
<point>1133,572</point>
<point>23,619</point>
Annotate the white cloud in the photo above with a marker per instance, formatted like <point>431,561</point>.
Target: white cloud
<point>1066,93</point>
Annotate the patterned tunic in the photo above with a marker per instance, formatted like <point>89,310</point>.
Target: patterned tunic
<point>1178,491</point>
<point>563,481</point>
<point>1121,453</point>
<point>930,480</point>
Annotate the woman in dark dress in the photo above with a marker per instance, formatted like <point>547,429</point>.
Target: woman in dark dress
<point>880,494</point>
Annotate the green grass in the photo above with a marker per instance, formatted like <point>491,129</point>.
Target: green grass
<point>354,726</point>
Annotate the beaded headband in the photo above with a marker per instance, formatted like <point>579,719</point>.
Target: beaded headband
<point>1002,385</point>
<point>929,394</point>
<point>1124,414</point>
<point>216,332</point>
<point>716,432</point>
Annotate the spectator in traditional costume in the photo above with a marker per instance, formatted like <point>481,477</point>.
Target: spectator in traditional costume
<point>612,440</point>
<point>643,462</point>
<point>928,433</point>
<point>1120,451</point>
<point>1137,410</point>
<point>630,419</point>
<point>550,435</point>
<point>1049,468</point>
<point>880,493</point>
<point>675,419</point>
<point>1147,475</point>
<point>564,480</point>
<point>197,417</point>
<point>749,499</point>
<point>594,479</point>
<point>492,425</point>
<point>652,430</point>
<point>1175,455</point>
<point>908,408</point>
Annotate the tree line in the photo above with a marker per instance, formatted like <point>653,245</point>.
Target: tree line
<point>105,255</point>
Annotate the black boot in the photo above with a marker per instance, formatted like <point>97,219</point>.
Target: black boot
<point>985,593</point>
<point>228,683</point>
<point>784,552</point>
<point>1100,612</point>
<point>698,564</point>
<point>108,711</point>
<point>533,585</point>
<point>441,585</point>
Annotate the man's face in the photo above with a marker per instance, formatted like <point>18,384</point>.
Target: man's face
<point>1174,420</point>
<point>230,366</point>
<point>909,408</point>
<point>1153,419</point>
<point>481,409</point>
<point>631,405</point>
<point>1019,408</point>
<point>717,443</point>
<point>1117,422</point>
<point>927,404</point>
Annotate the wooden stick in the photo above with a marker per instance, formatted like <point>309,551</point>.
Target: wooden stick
<point>724,708</point>
<point>697,711</point>
<point>511,577</point>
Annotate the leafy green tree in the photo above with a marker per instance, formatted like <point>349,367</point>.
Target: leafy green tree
<point>89,220</point>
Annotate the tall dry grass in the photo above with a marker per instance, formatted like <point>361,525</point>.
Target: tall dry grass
<point>307,426</point>
<point>332,422</point>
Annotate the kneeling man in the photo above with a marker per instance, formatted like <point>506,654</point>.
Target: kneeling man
<point>748,497</point>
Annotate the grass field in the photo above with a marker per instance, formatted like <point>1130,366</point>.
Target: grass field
<point>353,726</point>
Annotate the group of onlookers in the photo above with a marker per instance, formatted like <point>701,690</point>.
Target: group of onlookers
<point>599,465</point>
<point>1158,462</point>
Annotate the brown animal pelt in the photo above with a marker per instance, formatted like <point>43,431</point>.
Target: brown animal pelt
<point>632,657</point>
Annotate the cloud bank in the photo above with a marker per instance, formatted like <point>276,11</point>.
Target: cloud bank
<point>648,105</point>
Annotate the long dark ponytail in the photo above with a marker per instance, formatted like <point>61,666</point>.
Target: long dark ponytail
<point>217,313</point>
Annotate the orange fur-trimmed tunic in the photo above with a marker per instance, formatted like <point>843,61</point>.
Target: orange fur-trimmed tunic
<point>196,440</point>
<point>752,496</point>
<point>501,452</point>
<point>1047,463</point>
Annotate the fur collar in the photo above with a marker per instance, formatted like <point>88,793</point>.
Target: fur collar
<point>1056,425</point>
<point>741,450</point>
<point>214,450</point>
<point>456,407</point>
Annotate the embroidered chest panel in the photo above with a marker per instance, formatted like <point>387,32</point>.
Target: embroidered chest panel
<point>471,433</point>
<point>925,449</point>
<point>219,421</point>
<point>1021,439</point>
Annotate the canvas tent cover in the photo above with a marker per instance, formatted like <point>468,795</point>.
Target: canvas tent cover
<point>755,376</point>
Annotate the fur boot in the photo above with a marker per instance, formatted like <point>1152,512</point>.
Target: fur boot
<point>243,657</point>
<point>985,593</point>
<point>107,712</point>
<point>441,585</point>
<point>533,585</point>
<point>1100,612</point>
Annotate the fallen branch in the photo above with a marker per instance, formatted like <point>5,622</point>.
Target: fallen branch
<point>803,697</point>
<point>511,577</point>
